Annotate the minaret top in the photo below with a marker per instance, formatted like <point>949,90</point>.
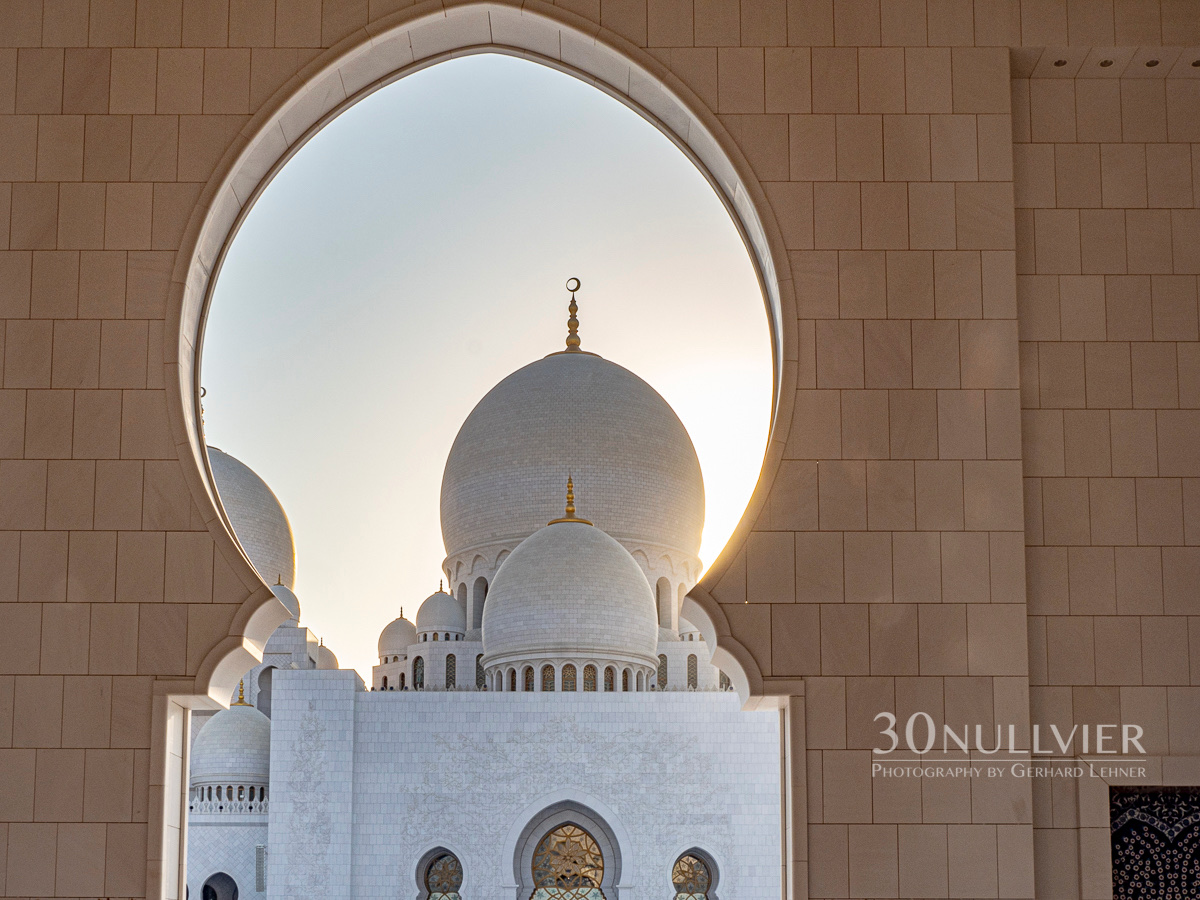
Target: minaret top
<point>569,513</point>
<point>572,320</point>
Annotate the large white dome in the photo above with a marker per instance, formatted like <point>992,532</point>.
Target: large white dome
<point>397,636</point>
<point>233,747</point>
<point>257,517</point>
<point>570,590</point>
<point>441,612</point>
<point>572,413</point>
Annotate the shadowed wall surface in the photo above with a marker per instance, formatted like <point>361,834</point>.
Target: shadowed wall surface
<point>980,498</point>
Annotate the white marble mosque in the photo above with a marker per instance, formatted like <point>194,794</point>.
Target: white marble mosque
<point>547,728</point>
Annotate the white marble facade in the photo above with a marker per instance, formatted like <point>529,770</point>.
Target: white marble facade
<point>367,783</point>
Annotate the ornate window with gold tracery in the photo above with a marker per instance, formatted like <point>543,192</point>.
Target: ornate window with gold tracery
<point>528,678</point>
<point>589,678</point>
<point>444,877</point>
<point>609,679</point>
<point>547,678</point>
<point>568,865</point>
<point>568,677</point>
<point>691,878</point>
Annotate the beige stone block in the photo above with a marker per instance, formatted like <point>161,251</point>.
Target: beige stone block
<point>76,354</point>
<point>770,570</point>
<point>1159,511</point>
<point>943,639</point>
<point>1178,436</point>
<point>837,223</point>
<point>1057,241</point>
<point>874,863</point>
<point>124,849</point>
<point>1174,308</point>
<point>764,22</point>
<point>162,639</point>
<point>1098,110</point>
<point>958,287</point>
<point>997,639</point>
<point>1183,703</point>
<point>820,437</point>
<point>839,354</point>
<point>127,216</point>
<point>829,865</point>
<point>815,273</point>
<point>1185,238</point>
<point>945,800</point>
<point>39,81</point>
<point>861,284</point>
<point>1181,573</point>
<point>23,623</point>
<point>154,148</point>
<point>971,853</point>
<point>34,217</point>
<point>989,354</point>
<point>716,24</point>
<point>993,136</point>
<point>916,567</point>
<point>936,347</point>
<point>1139,580</point>
<point>22,493</point>
<point>92,567</point>
<point>1148,707</point>
<point>795,640</point>
<point>1065,510</point>
<point>55,284</point>
<point>962,426</point>
<point>1130,308</point>
<point>894,639</point>
<point>939,495</point>
<point>1155,375</point>
<point>884,216</point>
<point>97,425</point>
<point>1073,658</point>
<point>12,424</point>
<point>1026,255</point>
<point>1118,650</point>
<point>1109,380</point>
<point>955,150</point>
<point>1061,375</point>
<point>931,220</point>
<point>69,490</point>
<point>1148,236</point>
<point>965,571</point>
<point>880,80</point>
<point>81,217</point>
<point>834,80</point>
<point>868,558</point>
<point>740,80</point>
<point>18,147</point>
<point>87,711</point>
<point>17,769</point>
<point>1046,574</point>
<point>1168,175</point>
<point>1082,307</point>
<point>37,711</point>
<point>865,697</point>
<point>1093,580</point>
<point>887,348</point>
<point>865,424</point>
<point>846,786</point>
<point>1103,242</point>
<point>60,148</point>
<point>1165,658</point>
<point>132,88</point>
<point>1003,424</point>
<point>859,148</point>
<point>819,567</point>
<point>793,500</point>
<point>15,283</point>
<point>927,80</point>
<point>910,285</point>
<point>1123,175</point>
<point>108,785</point>
<point>148,275</point>
<point>1087,442</point>
<point>123,359</point>
<point>923,854</point>
<point>842,486</point>
<point>891,500</point>
<point>902,23</point>
<point>48,424</point>
<point>845,640</point>
<point>43,567</point>
<point>80,859</point>
<point>1076,174</point>
<point>668,24</point>
<point>106,152</point>
<point>32,858</point>
<point>1051,110</point>
<point>1143,109</point>
<point>1035,179</point>
<point>825,722</point>
<point>1113,518</point>
<point>140,566</point>
<point>115,633</point>
<point>788,80</point>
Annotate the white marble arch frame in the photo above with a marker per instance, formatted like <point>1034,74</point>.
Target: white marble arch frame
<point>425,860</point>
<point>590,813</point>
<point>714,861</point>
<point>365,61</point>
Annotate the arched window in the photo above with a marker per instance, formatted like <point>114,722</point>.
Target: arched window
<point>589,678</point>
<point>663,600</point>
<point>692,671</point>
<point>641,682</point>
<point>385,682</point>
<point>662,672</point>
<point>528,678</point>
<point>419,673</point>
<point>691,877</point>
<point>512,679</point>
<point>625,680</point>
<point>610,677</point>
<point>547,678</point>
<point>401,681</point>
<point>479,598</point>
<point>451,672</point>
<point>568,865</point>
<point>444,877</point>
<point>568,677</point>
<point>435,635</point>
<point>480,678</point>
<point>726,684</point>
<point>219,887</point>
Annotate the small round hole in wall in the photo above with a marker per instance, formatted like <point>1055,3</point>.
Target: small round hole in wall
<point>1196,63</point>
<point>1151,63</point>
<point>1059,63</point>
<point>1105,63</point>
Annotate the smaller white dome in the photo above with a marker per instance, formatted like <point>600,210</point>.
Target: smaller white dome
<point>396,637</point>
<point>326,658</point>
<point>441,612</point>
<point>234,747</point>
<point>686,628</point>
<point>288,599</point>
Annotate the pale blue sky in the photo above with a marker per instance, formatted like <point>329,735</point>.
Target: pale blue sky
<point>413,254</point>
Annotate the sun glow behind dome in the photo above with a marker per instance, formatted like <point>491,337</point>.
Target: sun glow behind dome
<point>396,270</point>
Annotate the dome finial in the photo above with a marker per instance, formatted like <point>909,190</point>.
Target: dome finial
<point>241,700</point>
<point>439,585</point>
<point>569,514</point>
<point>572,320</point>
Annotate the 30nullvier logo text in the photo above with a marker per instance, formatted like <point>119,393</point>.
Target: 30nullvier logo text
<point>1085,739</point>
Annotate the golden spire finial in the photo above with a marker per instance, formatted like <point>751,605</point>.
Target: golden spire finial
<point>439,585</point>
<point>569,515</point>
<point>572,320</point>
<point>241,700</point>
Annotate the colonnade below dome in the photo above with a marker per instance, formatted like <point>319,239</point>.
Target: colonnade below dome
<point>546,676</point>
